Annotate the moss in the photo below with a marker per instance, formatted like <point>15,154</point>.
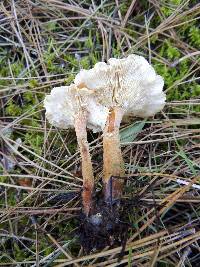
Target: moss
<point>194,35</point>
<point>29,97</point>
<point>50,25</point>
<point>33,83</point>
<point>3,179</point>
<point>13,109</point>
<point>72,147</point>
<point>196,89</point>
<point>168,7</point>
<point>35,141</point>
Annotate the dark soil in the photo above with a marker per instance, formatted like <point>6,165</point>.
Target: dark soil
<point>105,226</point>
<point>108,223</point>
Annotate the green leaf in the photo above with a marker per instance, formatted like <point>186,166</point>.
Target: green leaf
<point>129,133</point>
<point>189,162</point>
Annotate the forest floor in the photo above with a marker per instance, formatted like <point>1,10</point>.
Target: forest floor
<point>43,44</point>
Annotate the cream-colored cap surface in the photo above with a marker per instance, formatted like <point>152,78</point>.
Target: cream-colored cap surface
<point>130,83</point>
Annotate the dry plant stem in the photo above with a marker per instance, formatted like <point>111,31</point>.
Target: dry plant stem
<point>87,170</point>
<point>113,164</point>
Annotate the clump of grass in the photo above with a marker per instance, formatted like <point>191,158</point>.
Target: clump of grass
<point>44,45</point>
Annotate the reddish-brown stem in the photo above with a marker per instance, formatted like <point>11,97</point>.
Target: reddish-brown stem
<point>87,170</point>
<point>113,164</point>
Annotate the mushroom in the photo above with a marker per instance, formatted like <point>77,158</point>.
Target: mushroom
<point>73,107</point>
<point>123,86</point>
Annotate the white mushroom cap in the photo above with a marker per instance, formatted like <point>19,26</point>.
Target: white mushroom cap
<point>130,83</point>
<point>65,102</point>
